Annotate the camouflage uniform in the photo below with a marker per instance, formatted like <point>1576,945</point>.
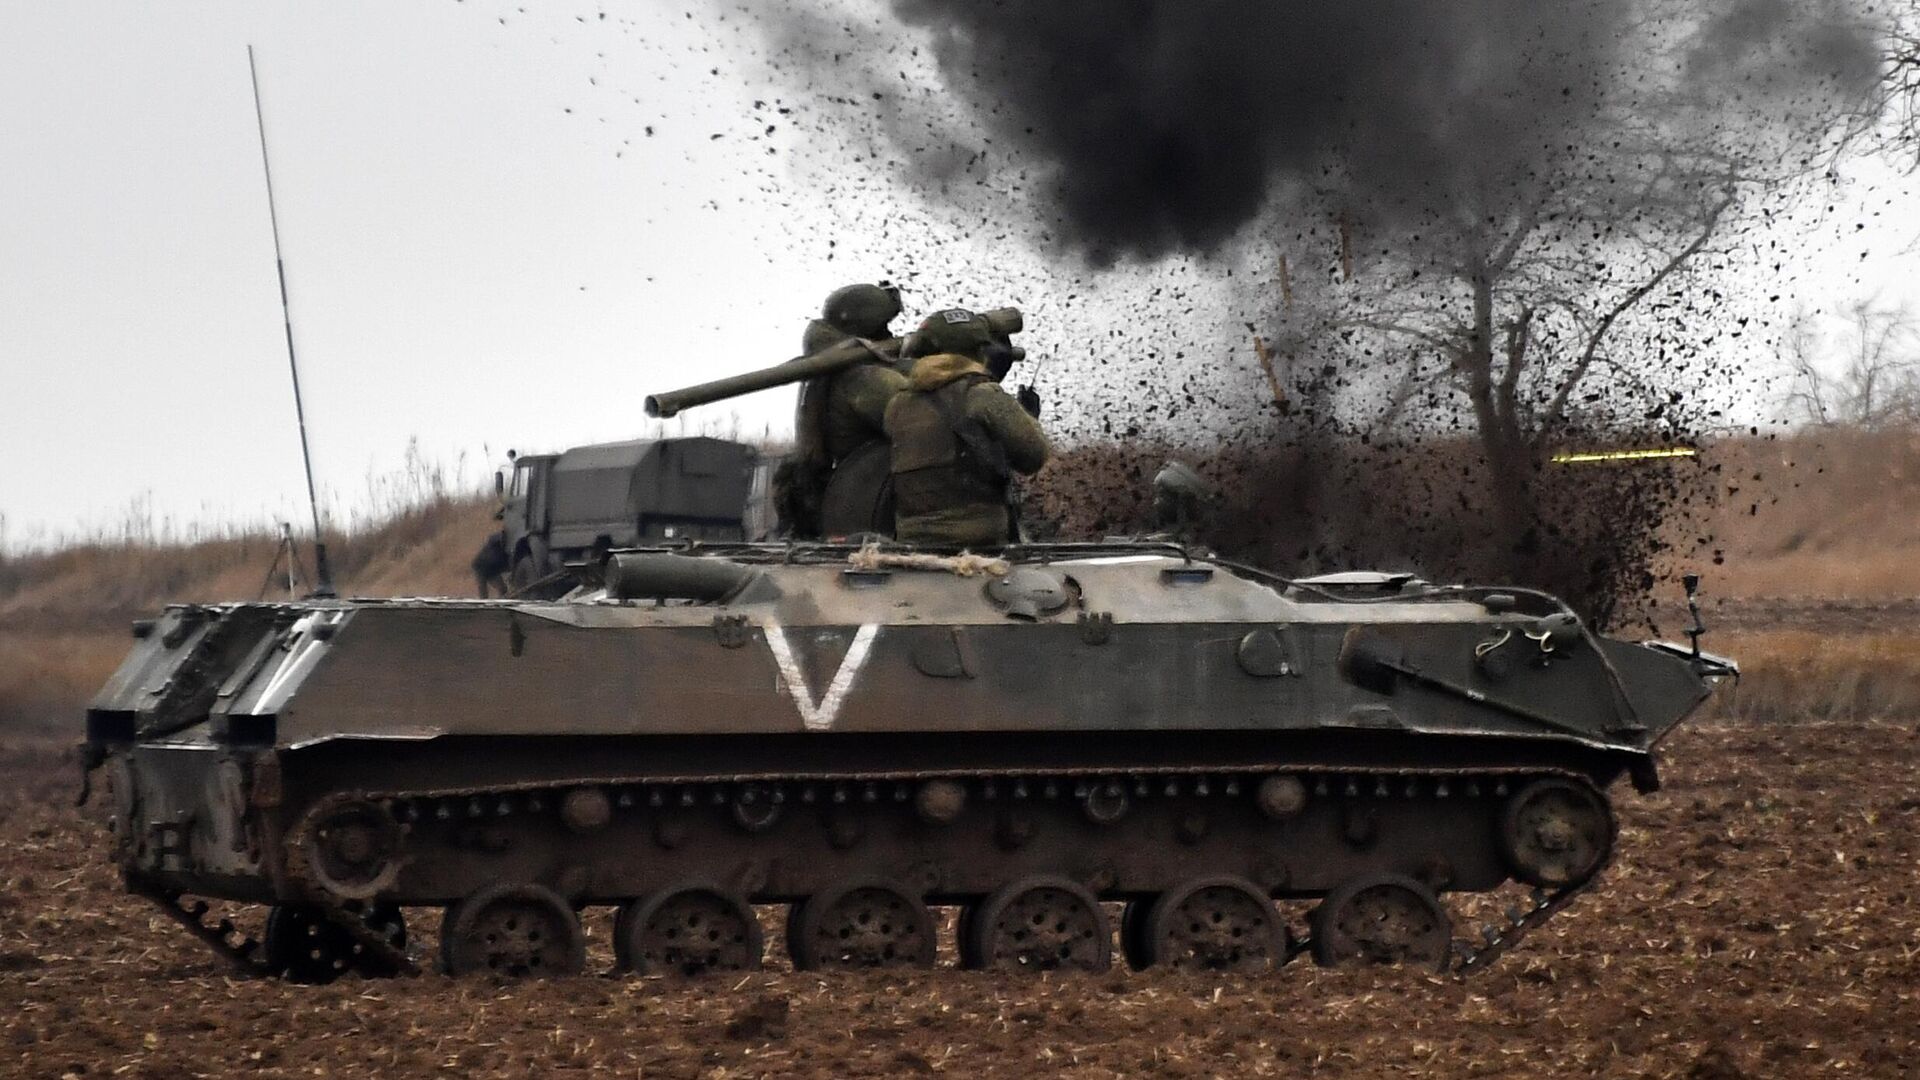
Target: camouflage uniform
<point>957,440</point>
<point>838,416</point>
<point>854,402</point>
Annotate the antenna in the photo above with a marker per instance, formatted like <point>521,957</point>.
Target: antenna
<point>322,574</point>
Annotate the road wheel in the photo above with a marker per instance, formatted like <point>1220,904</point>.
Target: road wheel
<point>1215,924</point>
<point>862,924</point>
<point>1556,832</point>
<point>1042,923</point>
<point>688,930</point>
<point>1381,919</point>
<point>513,931</point>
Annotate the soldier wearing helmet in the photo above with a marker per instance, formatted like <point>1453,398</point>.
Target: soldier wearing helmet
<point>834,484</point>
<point>958,439</point>
<point>1181,498</point>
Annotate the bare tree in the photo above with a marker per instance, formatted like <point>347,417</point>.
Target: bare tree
<point>1865,373</point>
<point>1889,117</point>
<point>1553,284</point>
<point>1517,310</point>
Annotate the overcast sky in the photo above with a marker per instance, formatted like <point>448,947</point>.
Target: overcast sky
<point>485,245</point>
<point>469,262</point>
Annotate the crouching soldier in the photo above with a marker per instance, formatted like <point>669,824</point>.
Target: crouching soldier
<point>490,565</point>
<point>957,438</point>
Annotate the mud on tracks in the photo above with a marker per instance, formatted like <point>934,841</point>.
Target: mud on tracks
<point>1763,920</point>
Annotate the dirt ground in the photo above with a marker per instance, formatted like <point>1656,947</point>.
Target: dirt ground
<point>1763,919</point>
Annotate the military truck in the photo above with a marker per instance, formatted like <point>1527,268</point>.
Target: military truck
<point>579,504</point>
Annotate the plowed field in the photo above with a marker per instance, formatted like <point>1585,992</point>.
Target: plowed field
<point>1763,919</point>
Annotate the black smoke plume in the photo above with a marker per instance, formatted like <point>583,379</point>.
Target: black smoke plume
<point>1168,125</point>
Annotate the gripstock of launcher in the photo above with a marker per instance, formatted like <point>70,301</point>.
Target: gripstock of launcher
<point>1003,323</point>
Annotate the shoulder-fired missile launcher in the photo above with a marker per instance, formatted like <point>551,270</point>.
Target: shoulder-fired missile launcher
<point>1003,324</point>
<point>867,734</point>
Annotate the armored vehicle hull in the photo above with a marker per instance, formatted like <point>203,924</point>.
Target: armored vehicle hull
<point>865,734</point>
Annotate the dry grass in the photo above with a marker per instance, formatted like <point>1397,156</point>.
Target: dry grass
<point>64,614</point>
<point>423,550</point>
<point>1828,513</point>
<point>44,677</point>
<point>1792,676</point>
<point>1854,575</point>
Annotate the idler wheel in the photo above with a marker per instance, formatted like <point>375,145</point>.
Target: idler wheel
<point>688,930</point>
<point>1381,919</point>
<point>513,931</point>
<point>305,946</point>
<point>1042,923</point>
<point>1215,924</point>
<point>862,924</point>
<point>353,850</point>
<point>1556,832</point>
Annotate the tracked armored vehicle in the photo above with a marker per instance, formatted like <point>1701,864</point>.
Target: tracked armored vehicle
<point>866,734</point>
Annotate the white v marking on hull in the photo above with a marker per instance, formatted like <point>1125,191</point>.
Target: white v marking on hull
<point>820,717</point>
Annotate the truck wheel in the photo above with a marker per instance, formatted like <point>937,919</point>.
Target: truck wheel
<point>524,573</point>
<point>1133,935</point>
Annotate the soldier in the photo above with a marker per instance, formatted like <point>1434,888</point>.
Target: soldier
<point>834,481</point>
<point>958,438</point>
<point>1180,498</point>
<point>490,565</point>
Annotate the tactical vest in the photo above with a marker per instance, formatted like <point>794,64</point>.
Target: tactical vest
<point>941,457</point>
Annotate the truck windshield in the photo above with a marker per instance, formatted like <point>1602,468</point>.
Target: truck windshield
<point>519,481</point>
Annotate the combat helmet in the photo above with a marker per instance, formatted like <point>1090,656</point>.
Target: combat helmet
<point>955,330</point>
<point>862,311</point>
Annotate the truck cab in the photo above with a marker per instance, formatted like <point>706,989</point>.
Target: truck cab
<point>524,515</point>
